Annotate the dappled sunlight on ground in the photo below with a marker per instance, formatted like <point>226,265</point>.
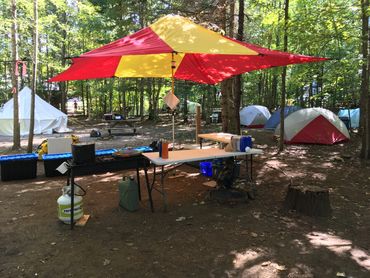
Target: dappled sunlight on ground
<point>255,262</point>
<point>33,189</point>
<point>196,237</point>
<point>246,257</point>
<point>341,247</point>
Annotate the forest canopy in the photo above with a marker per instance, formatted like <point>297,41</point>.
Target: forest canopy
<point>67,29</point>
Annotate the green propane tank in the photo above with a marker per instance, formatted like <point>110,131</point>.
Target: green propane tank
<point>129,194</point>
<point>64,206</point>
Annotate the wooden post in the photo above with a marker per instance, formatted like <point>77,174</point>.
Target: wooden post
<point>197,124</point>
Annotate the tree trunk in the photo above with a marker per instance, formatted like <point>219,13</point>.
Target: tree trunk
<point>88,101</point>
<point>365,103</point>
<point>110,88</point>
<point>238,79</point>
<point>34,75</point>
<point>63,85</point>
<point>283,78</point>
<point>16,126</point>
<point>141,98</point>
<point>83,98</point>
<point>185,112</point>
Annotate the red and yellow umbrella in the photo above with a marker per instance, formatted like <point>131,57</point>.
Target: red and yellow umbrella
<point>176,47</point>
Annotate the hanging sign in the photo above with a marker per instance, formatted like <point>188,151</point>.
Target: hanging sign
<point>171,100</point>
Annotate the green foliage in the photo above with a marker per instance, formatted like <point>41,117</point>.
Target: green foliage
<point>324,28</point>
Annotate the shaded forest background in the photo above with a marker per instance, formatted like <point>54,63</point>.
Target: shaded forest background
<point>329,29</point>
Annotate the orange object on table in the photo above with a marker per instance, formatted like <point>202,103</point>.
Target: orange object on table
<point>164,150</point>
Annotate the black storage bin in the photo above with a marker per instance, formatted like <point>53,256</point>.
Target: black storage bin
<point>18,167</point>
<point>83,153</point>
<point>52,161</point>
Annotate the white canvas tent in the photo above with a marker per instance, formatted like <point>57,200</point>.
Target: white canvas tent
<point>192,107</point>
<point>47,117</point>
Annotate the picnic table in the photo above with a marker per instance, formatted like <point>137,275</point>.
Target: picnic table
<point>219,137</point>
<point>122,125</point>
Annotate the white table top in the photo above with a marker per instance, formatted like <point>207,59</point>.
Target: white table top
<point>195,155</point>
<point>217,136</point>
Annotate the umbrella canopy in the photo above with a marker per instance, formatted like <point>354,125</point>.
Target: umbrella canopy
<point>176,47</point>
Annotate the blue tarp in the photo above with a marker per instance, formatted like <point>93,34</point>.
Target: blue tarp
<point>354,114</point>
<point>274,120</point>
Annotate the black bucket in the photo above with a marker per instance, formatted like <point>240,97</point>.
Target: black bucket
<point>83,153</point>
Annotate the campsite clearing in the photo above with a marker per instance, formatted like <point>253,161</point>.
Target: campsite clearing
<point>196,237</point>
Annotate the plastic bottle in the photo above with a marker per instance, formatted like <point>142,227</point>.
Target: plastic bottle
<point>160,148</point>
<point>164,150</point>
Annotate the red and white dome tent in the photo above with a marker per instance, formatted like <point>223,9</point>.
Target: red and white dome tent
<point>314,126</point>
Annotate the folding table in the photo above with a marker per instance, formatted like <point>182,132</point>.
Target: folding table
<point>176,157</point>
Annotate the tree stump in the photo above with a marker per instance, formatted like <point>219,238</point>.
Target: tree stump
<point>309,200</point>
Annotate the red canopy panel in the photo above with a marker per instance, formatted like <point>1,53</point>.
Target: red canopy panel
<point>211,69</point>
<point>89,68</point>
<point>144,41</point>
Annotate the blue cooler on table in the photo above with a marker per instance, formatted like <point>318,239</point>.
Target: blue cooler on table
<point>18,166</point>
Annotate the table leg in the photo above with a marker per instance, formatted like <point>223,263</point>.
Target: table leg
<point>246,167</point>
<point>148,187</point>
<point>251,167</point>
<point>138,178</point>
<point>162,189</point>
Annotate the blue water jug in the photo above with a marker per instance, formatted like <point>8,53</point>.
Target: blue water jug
<point>245,141</point>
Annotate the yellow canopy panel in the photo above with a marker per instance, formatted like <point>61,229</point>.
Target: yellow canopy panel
<point>151,65</point>
<point>182,35</point>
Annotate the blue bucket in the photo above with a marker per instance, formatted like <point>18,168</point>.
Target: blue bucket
<point>206,168</point>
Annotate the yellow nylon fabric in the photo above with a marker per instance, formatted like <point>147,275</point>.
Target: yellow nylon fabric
<point>151,65</point>
<point>183,35</point>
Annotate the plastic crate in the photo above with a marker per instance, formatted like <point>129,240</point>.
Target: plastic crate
<point>18,167</point>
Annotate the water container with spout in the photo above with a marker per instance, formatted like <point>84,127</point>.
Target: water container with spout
<point>129,194</point>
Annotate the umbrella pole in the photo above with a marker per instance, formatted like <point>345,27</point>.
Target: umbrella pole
<point>173,130</point>
<point>173,66</point>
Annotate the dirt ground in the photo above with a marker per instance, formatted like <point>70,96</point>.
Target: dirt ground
<point>253,239</point>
